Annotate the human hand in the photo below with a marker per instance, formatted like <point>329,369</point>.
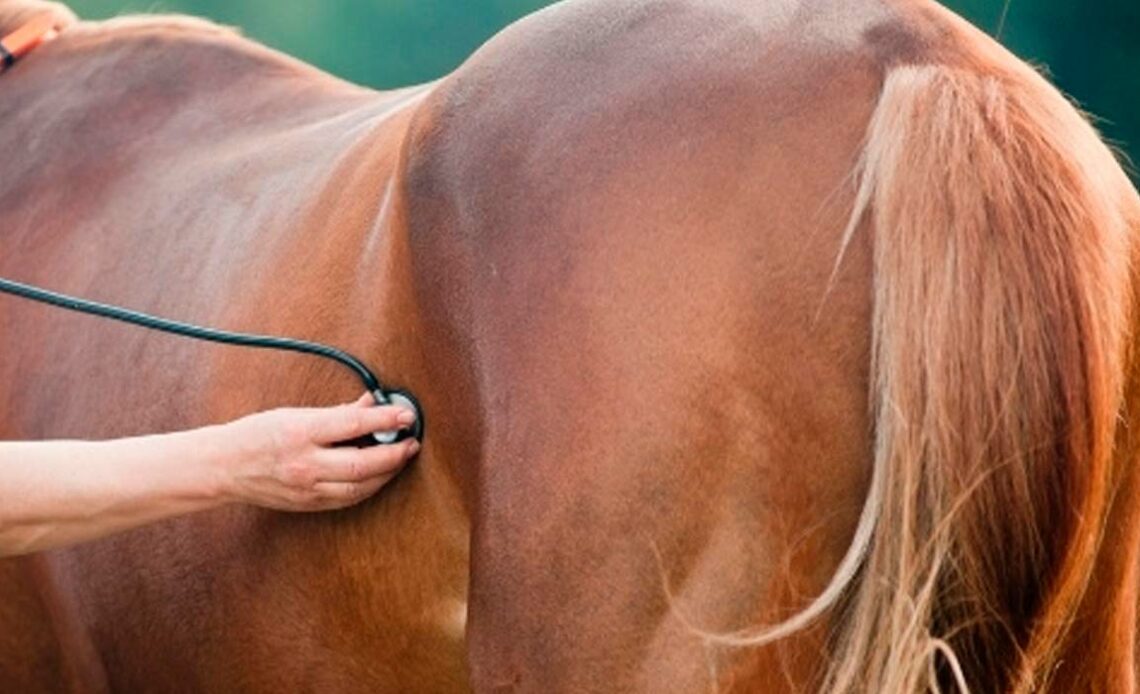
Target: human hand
<point>289,462</point>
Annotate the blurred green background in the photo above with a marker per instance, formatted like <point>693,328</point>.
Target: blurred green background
<point>1092,49</point>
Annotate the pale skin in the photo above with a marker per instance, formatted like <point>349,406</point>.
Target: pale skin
<point>59,493</point>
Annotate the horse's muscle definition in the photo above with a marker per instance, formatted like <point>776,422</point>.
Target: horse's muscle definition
<point>766,347</point>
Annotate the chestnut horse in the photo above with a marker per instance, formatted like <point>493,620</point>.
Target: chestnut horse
<point>766,347</point>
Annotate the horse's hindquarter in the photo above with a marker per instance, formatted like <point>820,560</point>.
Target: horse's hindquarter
<point>633,211</point>
<point>175,169</point>
<point>644,203</point>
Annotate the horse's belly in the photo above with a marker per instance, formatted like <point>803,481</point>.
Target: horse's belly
<point>252,601</point>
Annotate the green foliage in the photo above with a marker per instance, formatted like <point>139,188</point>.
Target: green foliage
<point>1091,49</point>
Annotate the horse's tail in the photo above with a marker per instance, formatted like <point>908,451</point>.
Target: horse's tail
<point>1002,296</point>
<point>998,548</point>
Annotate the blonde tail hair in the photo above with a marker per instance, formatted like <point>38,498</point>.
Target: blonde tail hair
<point>1002,297</point>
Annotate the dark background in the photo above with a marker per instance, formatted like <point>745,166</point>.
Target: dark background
<point>1091,48</point>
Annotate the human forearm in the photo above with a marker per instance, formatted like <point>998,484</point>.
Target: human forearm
<point>57,493</point>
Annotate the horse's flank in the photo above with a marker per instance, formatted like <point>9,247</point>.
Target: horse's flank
<point>603,252</point>
<point>232,182</point>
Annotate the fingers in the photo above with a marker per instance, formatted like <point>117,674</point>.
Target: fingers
<point>366,400</point>
<point>332,478</point>
<point>333,495</point>
<point>348,422</point>
<point>359,464</point>
<point>349,476</point>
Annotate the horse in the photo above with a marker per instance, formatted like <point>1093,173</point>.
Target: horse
<point>765,347</point>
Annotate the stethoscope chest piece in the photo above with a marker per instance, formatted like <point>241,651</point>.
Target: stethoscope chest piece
<point>407,401</point>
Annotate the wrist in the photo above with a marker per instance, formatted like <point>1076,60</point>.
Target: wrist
<point>223,453</point>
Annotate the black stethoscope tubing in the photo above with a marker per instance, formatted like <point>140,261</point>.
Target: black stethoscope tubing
<point>383,395</point>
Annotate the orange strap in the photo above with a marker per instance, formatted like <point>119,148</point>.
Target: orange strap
<point>23,40</point>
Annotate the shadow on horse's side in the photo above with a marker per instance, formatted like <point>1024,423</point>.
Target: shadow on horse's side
<point>766,347</point>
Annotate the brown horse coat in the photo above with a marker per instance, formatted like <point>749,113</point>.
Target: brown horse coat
<point>602,252</point>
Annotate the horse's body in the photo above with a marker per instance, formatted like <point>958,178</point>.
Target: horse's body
<point>278,178</point>
<point>603,254</point>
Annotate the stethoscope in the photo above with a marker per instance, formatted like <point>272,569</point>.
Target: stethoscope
<point>20,42</point>
<point>383,395</point>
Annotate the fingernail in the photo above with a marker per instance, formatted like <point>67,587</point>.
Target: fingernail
<point>406,417</point>
<point>413,447</point>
